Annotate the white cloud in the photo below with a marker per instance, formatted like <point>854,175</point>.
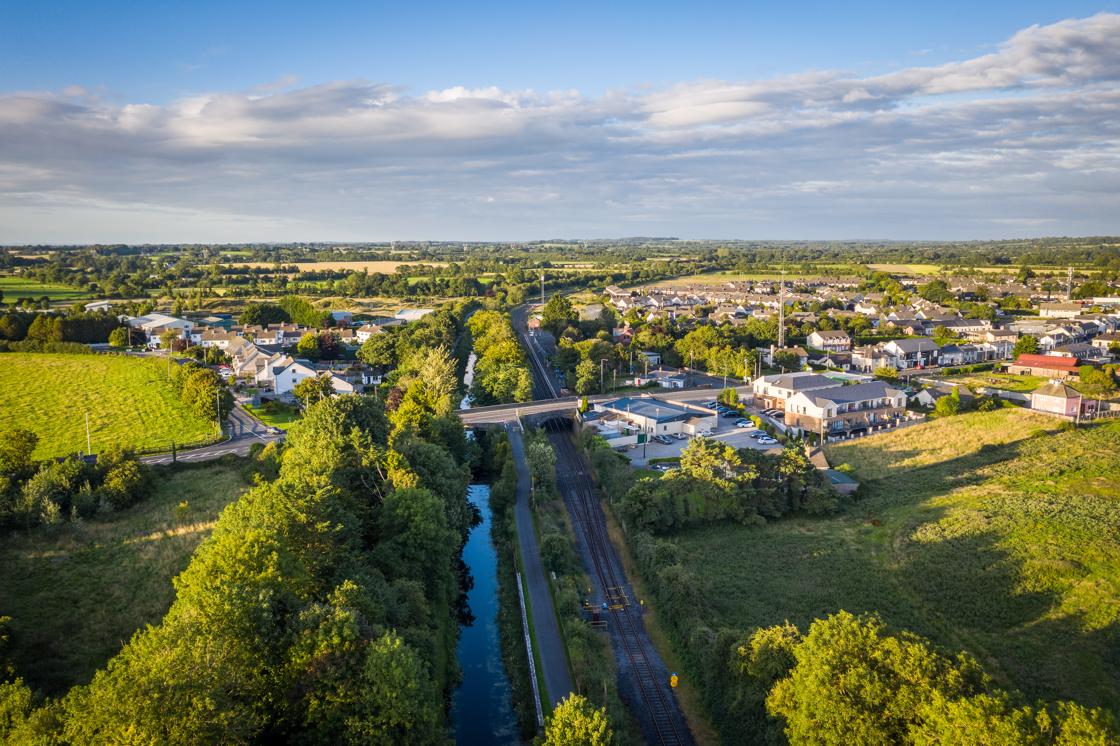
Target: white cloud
<point>969,148</point>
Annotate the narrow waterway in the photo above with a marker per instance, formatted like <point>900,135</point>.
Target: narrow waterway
<point>482,708</point>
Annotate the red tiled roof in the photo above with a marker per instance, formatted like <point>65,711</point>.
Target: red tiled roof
<point>1052,362</point>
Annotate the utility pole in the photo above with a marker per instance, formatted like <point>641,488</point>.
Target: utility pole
<point>782,312</point>
<point>1069,284</point>
<point>542,289</point>
<point>602,386</point>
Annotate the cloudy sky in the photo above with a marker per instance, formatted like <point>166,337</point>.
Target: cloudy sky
<point>123,122</point>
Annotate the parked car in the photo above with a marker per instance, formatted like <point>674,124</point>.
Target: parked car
<point>711,404</point>
<point>767,441</point>
<point>729,413</point>
<point>743,423</point>
<point>705,433</point>
<point>758,434</point>
<point>661,467</point>
<point>662,439</point>
<point>680,436</point>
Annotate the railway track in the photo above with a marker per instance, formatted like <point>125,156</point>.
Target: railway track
<point>656,705</point>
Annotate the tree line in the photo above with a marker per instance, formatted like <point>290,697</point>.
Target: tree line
<point>323,607</point>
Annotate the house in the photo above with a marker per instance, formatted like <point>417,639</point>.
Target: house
<point>154,325</point>
<point>1106,341</point>
<point>771,392</point>
<point>1084,351</point>
<point>962,354</point>
<point>1056,397</point>
<point>341,385</point>
<point>342,318</point>
<point>800,353</point>
<point>897,353</point>
<point>843,409</point>
<point>832,340</point>
<point>666,378</point>
<point>283,375</point>
<point>98,306</point>
<point>1049,366</point>
<point>651,416</point>
<point>217,338</point>
<point>651,358</point>
<point>365,331</point>
<point>1059,310</point>
<point>928,396</point>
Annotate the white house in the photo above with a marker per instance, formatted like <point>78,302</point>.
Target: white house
<point>283,375</point>
<point>98,305</point>
<point>832,340</point>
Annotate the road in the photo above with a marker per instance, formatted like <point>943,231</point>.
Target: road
<point>546,630</point>
<point>243,432</point>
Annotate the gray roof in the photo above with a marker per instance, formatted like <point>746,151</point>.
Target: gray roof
<point>856,393</point>
<point>652,409</point>
<point>915,345</point>
<point>802,382</point>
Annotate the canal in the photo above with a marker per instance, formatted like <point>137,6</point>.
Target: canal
<point>482,707</point>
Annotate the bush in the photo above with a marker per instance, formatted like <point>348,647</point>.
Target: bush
<point>124,485</point>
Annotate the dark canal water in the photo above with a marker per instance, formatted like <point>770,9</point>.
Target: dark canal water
<point>482,709</point>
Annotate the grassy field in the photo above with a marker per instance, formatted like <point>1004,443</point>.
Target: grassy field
<point>1006,381</point>
<point>18,287</point>
<point>76,593</point>
<point>128,400</point>
<point>275,414</point>
<point>906,269</point>
<point>992,532</point>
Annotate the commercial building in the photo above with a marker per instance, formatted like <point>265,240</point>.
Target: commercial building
<point>644,416</point>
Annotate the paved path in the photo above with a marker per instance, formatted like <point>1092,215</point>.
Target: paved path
<point>550,645</point>
<point>243,432</point>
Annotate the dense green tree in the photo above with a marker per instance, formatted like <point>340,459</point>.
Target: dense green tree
<point>119,337</point>
<point>576,722</point>
<point>558,314</point>
<point>1025,345</point>
<point>314,388</point>
<point>263,314</point>
<point>308,346</point>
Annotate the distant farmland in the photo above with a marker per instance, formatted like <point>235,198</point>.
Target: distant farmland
<point>22,287</point>
<point>385,267</point>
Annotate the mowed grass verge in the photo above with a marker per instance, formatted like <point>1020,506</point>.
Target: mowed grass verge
<point>77,592</point>
<point>993,532</point>
<point>129,401</point>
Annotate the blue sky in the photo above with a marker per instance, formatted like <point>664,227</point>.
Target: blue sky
<point>338,121</point>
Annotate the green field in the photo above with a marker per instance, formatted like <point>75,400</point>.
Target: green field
<point>18,287</point>
<point>993,532</point>
<point>129,402</point>
<point>275,414</point>
<point>77,593</point>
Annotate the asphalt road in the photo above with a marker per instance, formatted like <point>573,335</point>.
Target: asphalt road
<point>243,432</point>
<point>550,645</point>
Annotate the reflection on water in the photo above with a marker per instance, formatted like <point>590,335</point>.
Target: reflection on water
<point>482,708</point>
